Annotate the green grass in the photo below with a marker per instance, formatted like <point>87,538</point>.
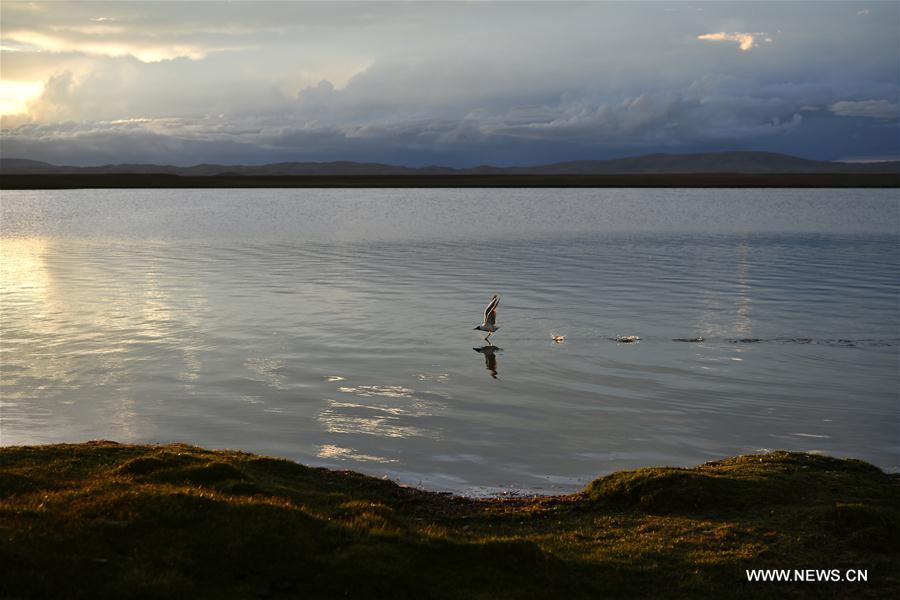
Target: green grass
<point>104,520</point>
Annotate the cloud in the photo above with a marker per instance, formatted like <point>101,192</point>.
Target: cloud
<point>746,41</point>
<point>670,119</point>
<point>873,109</point>
<point>144,51</point>
<point>863,13</point>
<point>576,124</point>
<point>391,81</point>
<point>123,88</point>
<point>15,95</point>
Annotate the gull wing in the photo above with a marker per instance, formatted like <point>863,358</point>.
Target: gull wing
<point>490,311</point>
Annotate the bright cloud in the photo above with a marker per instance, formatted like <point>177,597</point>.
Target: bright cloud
<point>42,42</point>
<point>16,95</point>
<point>874,109</point>
<point>746,41</point>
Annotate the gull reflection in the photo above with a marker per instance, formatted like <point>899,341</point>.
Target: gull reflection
<point>490,358</point>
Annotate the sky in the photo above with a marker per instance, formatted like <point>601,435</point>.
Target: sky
<point>458,84</point>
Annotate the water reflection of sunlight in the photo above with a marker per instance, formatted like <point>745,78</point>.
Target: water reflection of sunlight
<point>728,319</point>
<point>52,326</point>
<point>435,377</point>
<point>742,323</point>
<point>76,318</point>
<point>336,421</point>
<point>711,322</point>
<point>337,452</point>
<point>381,410</point>
<point>269,369</point>
<point>390,391</point>
<point>23,271</point>
<point>164,320</point>
<point>30,313</point>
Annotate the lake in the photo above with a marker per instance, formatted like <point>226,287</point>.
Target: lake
<point>334,327</point>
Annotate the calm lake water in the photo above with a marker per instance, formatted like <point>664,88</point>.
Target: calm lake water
<point>334,327</point>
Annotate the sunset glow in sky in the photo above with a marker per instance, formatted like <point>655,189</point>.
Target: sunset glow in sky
<point>447,83</point>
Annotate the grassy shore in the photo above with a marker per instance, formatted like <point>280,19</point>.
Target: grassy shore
<point>104,520</point>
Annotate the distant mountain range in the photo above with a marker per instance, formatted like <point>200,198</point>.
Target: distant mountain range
<point>716,162</point>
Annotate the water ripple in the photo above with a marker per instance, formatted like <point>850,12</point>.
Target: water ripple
<point>335,327</point>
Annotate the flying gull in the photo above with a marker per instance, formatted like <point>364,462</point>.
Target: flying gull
<point>490,318</point>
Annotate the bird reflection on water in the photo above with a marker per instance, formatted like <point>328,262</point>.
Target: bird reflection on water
<point>490,358</point>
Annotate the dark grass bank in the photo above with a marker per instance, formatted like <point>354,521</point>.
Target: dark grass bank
<point>104,520</point>
<point>677,180</point>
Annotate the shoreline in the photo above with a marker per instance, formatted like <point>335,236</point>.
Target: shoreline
<point>678,180</point>
<point>178,520</point>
